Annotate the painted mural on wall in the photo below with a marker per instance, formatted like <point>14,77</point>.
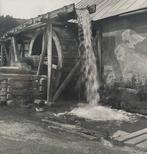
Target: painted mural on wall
<point>125,59</point>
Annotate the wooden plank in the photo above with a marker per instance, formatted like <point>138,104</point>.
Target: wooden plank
<point>119,133</point>
<point>17,71</point>
<point>81,134</point>
<point>49,55</point>
<point>21,84</point>
<point>31,27</point>
<point>137,140</point>
<point>69,128</point>
<point>22,92</point>
<point>66,81</point>
<point>9,68</point>
<point>132,135</point>
<point>15,50</point>
<point>23,77</point>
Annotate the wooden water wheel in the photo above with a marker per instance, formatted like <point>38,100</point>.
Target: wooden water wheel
<point>64,57</point>
<point>64,54</point>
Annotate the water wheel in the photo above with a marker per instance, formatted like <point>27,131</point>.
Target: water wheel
<point>64,54</point>
<point>65,50</point>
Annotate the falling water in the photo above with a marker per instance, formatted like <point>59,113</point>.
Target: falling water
<point>89,68</point>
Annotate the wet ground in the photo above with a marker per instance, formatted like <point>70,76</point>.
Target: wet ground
<point>22,132</point>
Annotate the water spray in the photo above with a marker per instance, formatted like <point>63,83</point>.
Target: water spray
<point>89,74</point>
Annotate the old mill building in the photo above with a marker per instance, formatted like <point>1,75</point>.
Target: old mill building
<point>43,54</point>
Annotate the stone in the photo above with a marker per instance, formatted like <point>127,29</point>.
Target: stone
<point>10,103</point>
<point>119,133</point>
<point>39,109</point>
<point>37,101</point>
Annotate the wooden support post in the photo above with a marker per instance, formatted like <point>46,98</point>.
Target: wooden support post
<point>99,54</point>
<point>44,46</point>
<point>66,81</point>
<point>15,50</point>
<point>22,48</point>
<point>49,57</point>
<point>1,48</point>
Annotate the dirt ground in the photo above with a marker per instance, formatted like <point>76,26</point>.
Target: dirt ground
<point>22,132</point>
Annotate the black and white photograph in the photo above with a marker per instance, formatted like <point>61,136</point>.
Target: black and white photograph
<point>73,76</point>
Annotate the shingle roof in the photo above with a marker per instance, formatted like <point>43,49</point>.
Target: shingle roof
<point>109,8</point>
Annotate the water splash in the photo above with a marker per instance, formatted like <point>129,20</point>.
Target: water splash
<point>101,113</point>
<point>89,68</point>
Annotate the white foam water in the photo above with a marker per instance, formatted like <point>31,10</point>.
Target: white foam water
<point>101,113</point>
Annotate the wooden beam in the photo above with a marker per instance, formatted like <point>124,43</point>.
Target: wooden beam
<point>22,52</point>
<point>99,54</point>
<point>131,135</point>
<point>39,21</point>
<point>15,50</point>
<point>1,48</point>
<point>66,81</point>
<point>44,46</point>
<point>72,129</point>
<point>49,57</point>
